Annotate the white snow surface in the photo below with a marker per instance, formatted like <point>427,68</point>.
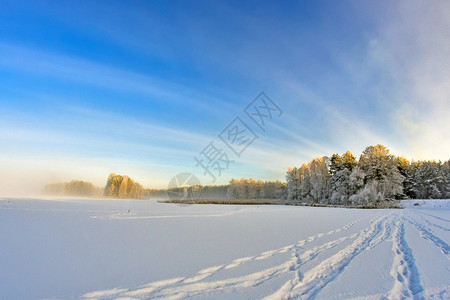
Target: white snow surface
<point>136,249</point>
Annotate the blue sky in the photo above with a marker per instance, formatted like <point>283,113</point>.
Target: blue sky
<point>141,87</point>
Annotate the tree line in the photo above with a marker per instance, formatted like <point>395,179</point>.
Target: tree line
<point>426,179</point>
<point>211,192</point>
<point>73,188</point>
<point>117,186</point>
<point>237,189</point>
<point>256,189</point>
<point>377,179</point>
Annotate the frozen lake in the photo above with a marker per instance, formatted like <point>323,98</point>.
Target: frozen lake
<point>91,248</point>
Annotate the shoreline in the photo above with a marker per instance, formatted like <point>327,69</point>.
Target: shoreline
<point>268,202</point>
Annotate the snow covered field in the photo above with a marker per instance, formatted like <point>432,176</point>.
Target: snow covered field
<point>74,248</point>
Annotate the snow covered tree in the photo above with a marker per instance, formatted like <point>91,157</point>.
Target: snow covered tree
<point>293,184</point>
<point>252,189</point>
<point>375,161</point>
<point>232,189</point>
<point>311,182</point>
<point>356,181</point>
<point>380,166</point>
<point>369,195</point>
<point>260,191</point>
<point>341,187</point>
<point>445,187</point>
<point>305,183</point>
<point>427,180</point>
<point>402,164</point>
<point>377,179</point>
<point>319,178</point>
<point>340,170</point>
<point>242,188</point>
<point>279,190</point>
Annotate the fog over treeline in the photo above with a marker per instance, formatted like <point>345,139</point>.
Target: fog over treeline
<point>73,188</point>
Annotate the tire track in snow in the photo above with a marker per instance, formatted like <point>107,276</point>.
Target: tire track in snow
<point>181,287</point>
<point>404,270</point>
<point>427,234</point>
<point>313,281</point>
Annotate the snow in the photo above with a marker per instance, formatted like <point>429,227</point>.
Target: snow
<point>135,249</point>
<point>427,203</point>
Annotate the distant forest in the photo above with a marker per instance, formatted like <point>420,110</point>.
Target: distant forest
<point>117,186</point>
<point>377,179</point>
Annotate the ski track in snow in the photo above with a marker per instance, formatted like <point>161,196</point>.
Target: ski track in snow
<point>404,270</point>
<point>308,284</point>
<point>190,287</point>
<point>133,216</point>
<point>427,234</point>
<point>433,224</point>
<point>436,217</point>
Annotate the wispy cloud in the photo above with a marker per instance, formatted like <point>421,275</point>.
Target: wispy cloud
<point>79,70</point>
<point>412,47</point>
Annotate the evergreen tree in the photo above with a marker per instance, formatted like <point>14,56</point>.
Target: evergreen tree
<point>349,160</point>
<point>356,181</point>
<point>341,187</point>
<point>445,186</point>
<point>335,164</point>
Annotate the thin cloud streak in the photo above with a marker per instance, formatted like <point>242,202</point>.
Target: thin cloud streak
<point>92,73</point>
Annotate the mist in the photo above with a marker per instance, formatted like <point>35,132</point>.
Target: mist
<point>31,183</point>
